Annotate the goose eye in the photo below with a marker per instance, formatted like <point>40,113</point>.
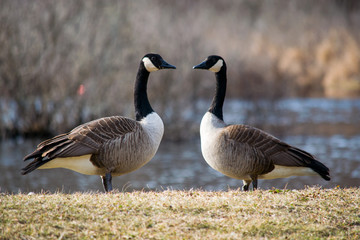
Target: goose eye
<point>152,58</point>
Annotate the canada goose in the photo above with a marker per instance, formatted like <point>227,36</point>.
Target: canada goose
<point>109,146</point>
<point>244,152</point>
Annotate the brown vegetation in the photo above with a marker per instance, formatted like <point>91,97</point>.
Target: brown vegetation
<point>273,49</point>
<point>312,213</point>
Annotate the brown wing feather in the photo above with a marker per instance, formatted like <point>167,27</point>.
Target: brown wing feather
<point>85,139</point>
<point>89,137</point>
<point>274,150</point>
<point>95,133</point>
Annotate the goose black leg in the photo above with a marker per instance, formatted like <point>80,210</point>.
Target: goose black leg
<point>107,182</point>
<point>254,182</point>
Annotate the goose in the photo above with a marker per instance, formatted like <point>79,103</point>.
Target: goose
<point>244,152</point>
<point>109,146</point>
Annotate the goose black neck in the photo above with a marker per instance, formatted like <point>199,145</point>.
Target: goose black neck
<point>216,106</point>
<point>141,101</point>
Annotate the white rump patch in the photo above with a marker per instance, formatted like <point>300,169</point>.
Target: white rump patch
<point>79,164</point>
<point>217,66</point>
<point>284,172</point>
<point>150,67</point>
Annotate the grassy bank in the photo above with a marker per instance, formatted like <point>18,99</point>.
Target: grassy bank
<point>305,214</point>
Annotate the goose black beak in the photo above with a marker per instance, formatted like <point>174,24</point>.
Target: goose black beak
<point>202,65</point>
<point>166,65</point>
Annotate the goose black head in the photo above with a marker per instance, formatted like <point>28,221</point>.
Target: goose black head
<point>212,63</point>
<point>153,62</point>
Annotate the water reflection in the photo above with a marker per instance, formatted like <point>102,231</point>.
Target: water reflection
<point>181,166</point>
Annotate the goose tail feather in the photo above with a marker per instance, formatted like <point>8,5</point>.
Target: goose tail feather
<point>312,163</point>
<point>34,165</point>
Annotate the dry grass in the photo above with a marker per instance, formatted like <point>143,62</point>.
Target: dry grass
<point>312,213</point>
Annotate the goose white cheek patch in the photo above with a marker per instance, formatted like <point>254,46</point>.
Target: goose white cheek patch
<point>216,68</point>
<point>150,67</point>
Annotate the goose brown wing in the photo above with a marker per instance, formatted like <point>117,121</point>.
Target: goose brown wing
<point>274,151</point>
<point>272,148</point>
<point>98,132</point>
<point>84,139</point>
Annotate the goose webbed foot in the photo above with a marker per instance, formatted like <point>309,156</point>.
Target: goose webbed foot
<point>106,180</point>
